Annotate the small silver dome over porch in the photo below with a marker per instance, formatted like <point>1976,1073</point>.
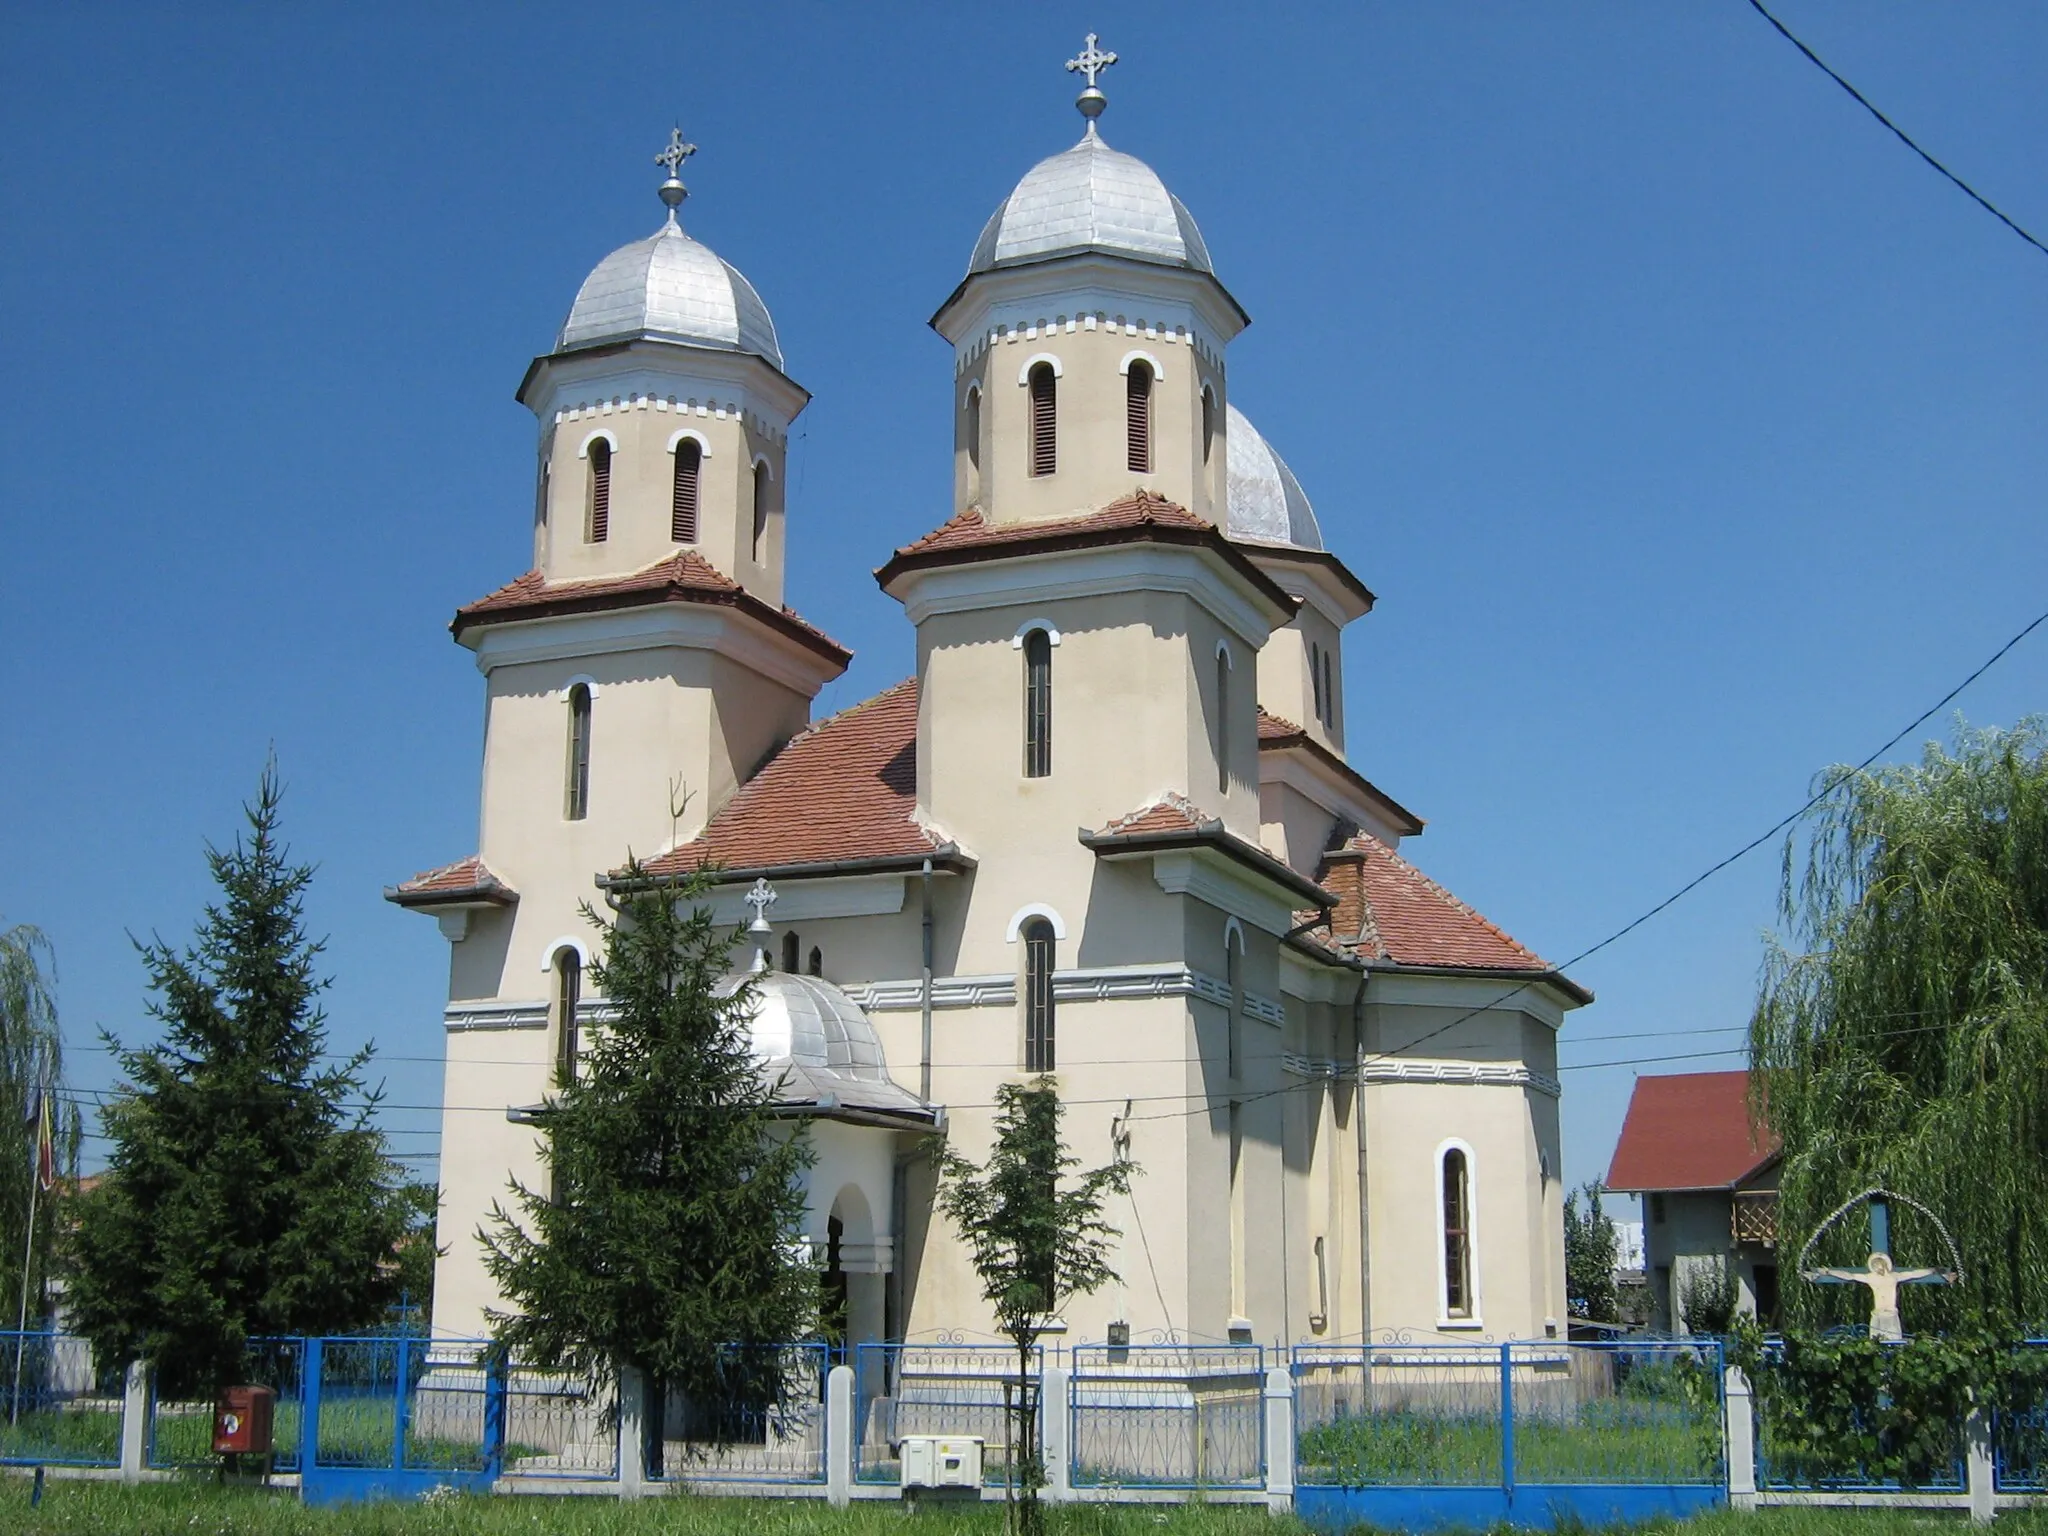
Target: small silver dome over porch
<point>1091,198</point>
<point>669,287</point>
<point>1267,504</point>
<point>821,1045</point>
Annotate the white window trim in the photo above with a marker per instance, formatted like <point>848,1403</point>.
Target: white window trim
<point>703,443</point>
<point>1031,362</point>
<point>1052,635</point>
<point>570,687</point>
<point>1233,932</point>
<point>1142,356</point>
<point>761,463</point>
<point>1474,1321</point>
<point>1223,650</point>
<point>973,390</point>
<point>1024,914</point>
<point>556,946</point>
<point>606,433</point>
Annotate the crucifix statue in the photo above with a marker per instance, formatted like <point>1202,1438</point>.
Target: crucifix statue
<point>1878,1273</point>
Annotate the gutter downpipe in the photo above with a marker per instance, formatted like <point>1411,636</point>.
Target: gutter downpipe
<point>924,1055</point>
<point>1364,1179</point>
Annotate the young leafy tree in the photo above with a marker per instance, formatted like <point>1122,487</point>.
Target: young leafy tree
<point>31,1068</point>
<point>667,1246</point>
<point>1901,1035</point>
<point>1589,1252</point>
<point>1035,1234</point>
<point>248,1192</point>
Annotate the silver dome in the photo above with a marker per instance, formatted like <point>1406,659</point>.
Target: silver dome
<point>1267,504</point>
<point>819,1046</point>
<point>1091,198</point>
<point>670,287</point>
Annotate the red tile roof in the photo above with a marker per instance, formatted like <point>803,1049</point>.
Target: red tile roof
<point>846,789</point>
<point>1274,727</point>
<point>685,577</point>
<point>1689,1130</point>
<point>1173,814</point>
<point>1396,913</point>
<point>1174,822</point>
<point>1143,516</point>
<point>466,880</point>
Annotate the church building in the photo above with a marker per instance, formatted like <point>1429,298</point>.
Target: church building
<point>1106,829</point>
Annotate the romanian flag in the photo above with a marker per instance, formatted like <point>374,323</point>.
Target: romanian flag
<point>42,1116</point>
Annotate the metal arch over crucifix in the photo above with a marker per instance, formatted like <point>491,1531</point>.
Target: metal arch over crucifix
<point>1879,1274</point>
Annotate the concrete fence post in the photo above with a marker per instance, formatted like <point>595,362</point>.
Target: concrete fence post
<point>135,1423</point>
<point>841,1437</point>
<point>632,1433</point>
<point>1979,1471</point>
<point>1056,1432</point>
<point>1279,1406</point>
<point>1740,1442</point>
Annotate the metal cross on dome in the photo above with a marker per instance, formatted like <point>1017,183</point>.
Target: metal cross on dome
<point>760,896</point>
<point>1092,62</point>
<point>679,149</point>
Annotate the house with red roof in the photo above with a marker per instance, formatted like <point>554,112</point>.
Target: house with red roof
<point>1108,828</point>
<point>1706,1168</point>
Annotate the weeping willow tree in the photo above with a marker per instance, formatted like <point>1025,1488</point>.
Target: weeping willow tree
<point>31,1061</point>
<point>1900,1037</point>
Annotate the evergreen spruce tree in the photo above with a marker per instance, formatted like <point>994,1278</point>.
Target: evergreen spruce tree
<point>1901,1035</point>
<point>665,1244</point>
<point>1589,1253</point>
<point>1035,1235</point>
<point>248,1193</point>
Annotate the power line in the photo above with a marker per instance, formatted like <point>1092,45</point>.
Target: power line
<point>1904,138</point>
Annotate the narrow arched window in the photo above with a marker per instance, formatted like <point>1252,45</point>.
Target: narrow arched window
<point>1037,704</point>
<point>1038,1020</point>
<point>973,428</point>
<point>597,522</point>
<point>1329,694</point>
<point>682,507</point>
<point>540,495</point>
<point>1457,1225</point>
<point>760,507</point>
<point>1222,721</point>
<point>1208,422</point>
<point>1138,419</point>
<point>817,965</point>
<point>568,994</point>
<point>1045,385</point>
<point>1315,675</point>
<point>790,951</point>
<point>1233,977</point>
<point>576,797</point>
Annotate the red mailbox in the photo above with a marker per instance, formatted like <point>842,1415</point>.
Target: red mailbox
<point>241,1421</point>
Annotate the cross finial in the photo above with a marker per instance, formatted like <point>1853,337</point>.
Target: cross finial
<point>1092,62</point>
<point>673,191</point>
<point>760,896</point>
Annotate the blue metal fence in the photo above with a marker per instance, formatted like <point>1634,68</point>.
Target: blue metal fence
<point>1787,1460</point>
<point>60,1409</point>
<point>2019,1423</point>
<point>1168,1416</point>
<point>730,1440</point>
<point>935,1389</point>
<point>1417,1435</point>
<point>179,1433</point>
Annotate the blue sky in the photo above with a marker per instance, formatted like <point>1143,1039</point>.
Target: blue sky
<point>1688,427</point>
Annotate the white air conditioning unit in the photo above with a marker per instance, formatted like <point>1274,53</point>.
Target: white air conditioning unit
<point>941,1461</point>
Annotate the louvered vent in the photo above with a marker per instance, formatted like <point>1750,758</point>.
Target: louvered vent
<point>1138,418</point>
<point>682,517</point>
<point>1044,420</point>
<point>600,521</point>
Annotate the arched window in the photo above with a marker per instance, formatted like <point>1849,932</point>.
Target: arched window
<point>568,993</point>
<point>817,965</point>
<point>540,494</point>
<point>1456,1211</point>
<point>1037,704</point>
<point>760,506</point>
<point>576,797</point>
<point>1038,1021</point>
<point>1233,976</point>
<point>1045,385</point>
<point>1315,675</point>
<point>974,439</point>
<point>1138,418</point>
<point>790,951</point>
<point>597,522</point>
<point>1208,422</point>
<point>1329,694</point>
<point>1222,721</point>
<point>682,508</point>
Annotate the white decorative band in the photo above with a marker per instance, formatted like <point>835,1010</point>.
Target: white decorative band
<point>1099,984</point>
<point>1480,1073</point>
<point>875,1258</point>
<point>491,1014</point>
<point>717,410</point>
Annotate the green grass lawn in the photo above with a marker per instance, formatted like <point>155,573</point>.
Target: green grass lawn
<point>200,1509</point>
<point>1612,1441</point>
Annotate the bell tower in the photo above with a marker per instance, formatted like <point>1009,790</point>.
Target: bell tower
<point>664,415</point>
<point>1088,341</point>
